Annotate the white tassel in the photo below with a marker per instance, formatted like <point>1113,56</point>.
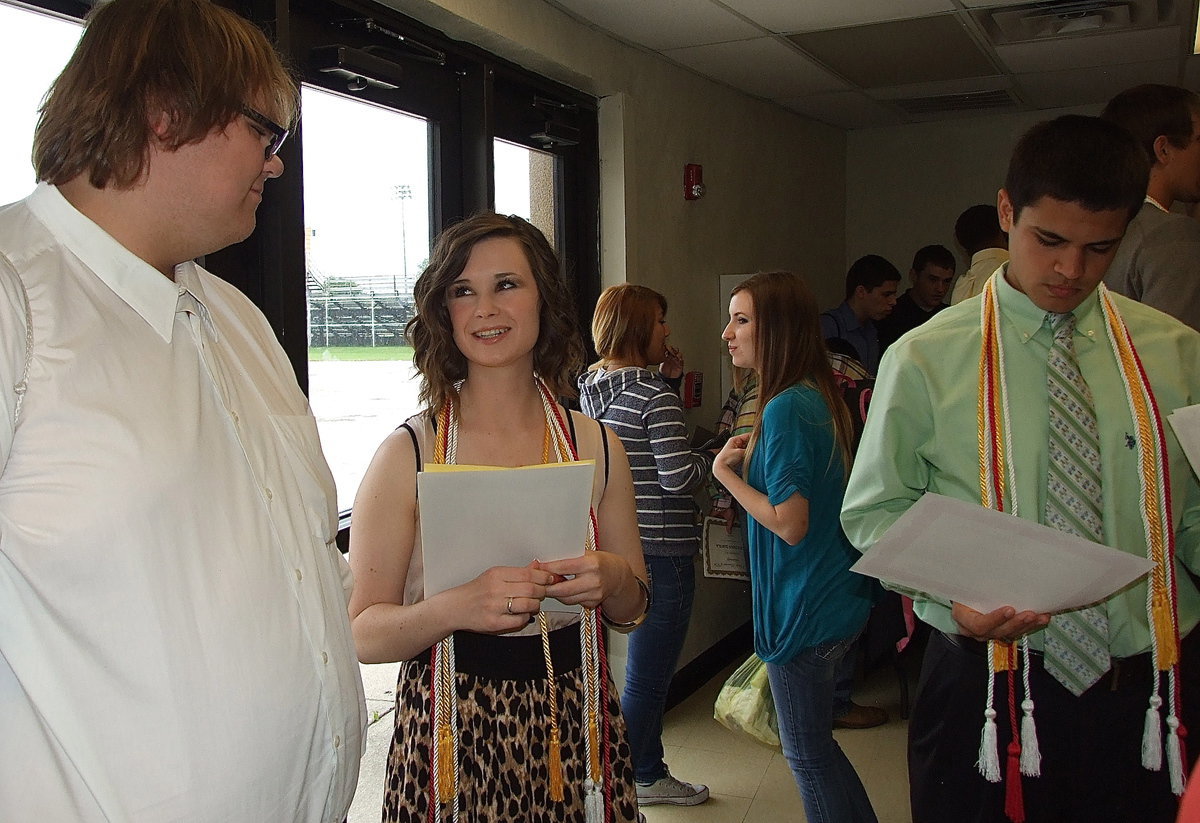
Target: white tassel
<point>989,757</point>
<point>1174,755</point>
<point>1031,755</point>
<point>593,801</point>
<point>1152,736</point>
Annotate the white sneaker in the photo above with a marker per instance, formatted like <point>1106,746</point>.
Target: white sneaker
<point>671,790</point>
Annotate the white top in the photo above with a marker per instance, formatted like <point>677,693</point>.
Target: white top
<point>174,644</point>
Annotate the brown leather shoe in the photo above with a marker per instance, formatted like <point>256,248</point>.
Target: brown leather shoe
<point>861,717</point>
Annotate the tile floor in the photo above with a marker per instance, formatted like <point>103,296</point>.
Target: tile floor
<point>750,783</point>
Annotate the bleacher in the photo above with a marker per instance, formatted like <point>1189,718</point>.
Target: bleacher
<point>362,314</point>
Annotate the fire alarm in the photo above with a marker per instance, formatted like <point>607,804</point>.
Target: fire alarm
<point>693,181</point>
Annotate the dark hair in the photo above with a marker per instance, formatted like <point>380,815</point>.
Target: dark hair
<point>558,354</point>
<point>978,227</point>
<point>624,320</point>
<point>939,256</point>
<point>1077,159</point>
<point>870,272</point>
<point>1154,110</point>
<point>790,349</point>
<point>191,60</point>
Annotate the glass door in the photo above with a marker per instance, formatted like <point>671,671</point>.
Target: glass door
<point>366,238</point>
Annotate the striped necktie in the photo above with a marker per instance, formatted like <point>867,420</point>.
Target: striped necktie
<point>1076,642</point>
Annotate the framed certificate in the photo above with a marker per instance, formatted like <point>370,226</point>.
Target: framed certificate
<point>724,552</point>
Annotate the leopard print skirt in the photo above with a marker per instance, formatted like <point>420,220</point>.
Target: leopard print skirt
<point>503,753</point>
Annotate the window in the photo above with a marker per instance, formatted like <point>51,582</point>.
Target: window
<point>34,47</point>
<point>366,236</point>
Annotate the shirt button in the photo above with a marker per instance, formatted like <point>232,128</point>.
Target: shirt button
<point>299,575</point>
<point>236,419</point>
<point>337,741</point>
<point>267,491</point>
<point>325,658</point>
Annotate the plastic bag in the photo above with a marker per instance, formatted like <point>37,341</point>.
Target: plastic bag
<point>744,703</point>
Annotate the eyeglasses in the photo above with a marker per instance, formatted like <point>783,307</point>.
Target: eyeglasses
<point>278,133</point>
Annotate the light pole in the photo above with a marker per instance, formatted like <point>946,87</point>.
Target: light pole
<point>403,192</point>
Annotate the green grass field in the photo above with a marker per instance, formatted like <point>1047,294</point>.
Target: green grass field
<point>360,353</point>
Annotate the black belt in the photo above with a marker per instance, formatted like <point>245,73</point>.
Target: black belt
<point>504,657</point>
<point>1124,672</point>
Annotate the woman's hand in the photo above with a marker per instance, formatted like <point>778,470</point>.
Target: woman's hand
<point>503,599</point>
<point>672,364</point>
<point>733,453</point>
<point>587,580</point>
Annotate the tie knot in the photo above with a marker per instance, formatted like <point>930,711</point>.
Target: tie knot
<point>1063,325</point>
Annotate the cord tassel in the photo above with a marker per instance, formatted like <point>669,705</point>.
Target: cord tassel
<point>989,758</point>
<point>594,765</point>
<point>556,766</point>
<point>1031,755</point>
<point>1164,630</point>
<point>593,802</point>
<point>1174,754</point>
<point>1014,800</point>
<point>445,763</point>
<point>1152,736</point>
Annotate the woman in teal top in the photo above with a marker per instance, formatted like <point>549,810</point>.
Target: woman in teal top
<point>808,606</point>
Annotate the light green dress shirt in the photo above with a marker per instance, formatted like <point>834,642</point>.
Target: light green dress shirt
<point>921,435</point>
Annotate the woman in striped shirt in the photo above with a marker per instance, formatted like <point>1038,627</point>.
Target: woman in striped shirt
<point>630,332</point>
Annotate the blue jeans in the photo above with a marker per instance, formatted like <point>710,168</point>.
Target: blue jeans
<point>654,650</point>
<point>803,692</point>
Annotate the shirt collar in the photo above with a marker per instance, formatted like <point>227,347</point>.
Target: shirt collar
<point>140,285</point>
<point>1156,204</point>
<point>1020,311</point>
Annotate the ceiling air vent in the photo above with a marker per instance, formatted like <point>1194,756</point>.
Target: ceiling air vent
<point>1066,18</point>
<point>948,103</point>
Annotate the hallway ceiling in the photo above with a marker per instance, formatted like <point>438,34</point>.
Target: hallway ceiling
<point>861,63</point>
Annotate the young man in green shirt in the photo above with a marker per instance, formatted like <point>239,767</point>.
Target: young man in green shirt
<point>1072,187</point>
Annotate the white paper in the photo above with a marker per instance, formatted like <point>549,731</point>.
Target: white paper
<point>987,559</point>
<point>472,520</point>
<point>725,551</point>
<point>1186,423</point>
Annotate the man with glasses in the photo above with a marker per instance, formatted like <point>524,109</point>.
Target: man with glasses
<point>174,642</point>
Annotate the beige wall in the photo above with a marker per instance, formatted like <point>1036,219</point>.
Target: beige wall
<point>906,185</point>
<point>776,194</point>
<point>776,181</point>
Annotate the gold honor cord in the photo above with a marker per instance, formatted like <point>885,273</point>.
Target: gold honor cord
<point>996,482</point>
<point>445,760</point>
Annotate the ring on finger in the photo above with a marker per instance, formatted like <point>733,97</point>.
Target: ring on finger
<point>508,608</point>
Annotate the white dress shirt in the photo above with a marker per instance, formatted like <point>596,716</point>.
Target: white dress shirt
<point>174,644</point>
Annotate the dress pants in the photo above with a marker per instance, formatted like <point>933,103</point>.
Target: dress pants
<point>1090,745</point>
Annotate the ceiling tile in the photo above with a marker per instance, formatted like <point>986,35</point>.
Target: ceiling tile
<point>1079,87</point>
<point>1096,50</point>
<point>845,109</point>
<point>792,16</point>
<point>662,24</point>
<point>900,52</point>
<point>765,67</point>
